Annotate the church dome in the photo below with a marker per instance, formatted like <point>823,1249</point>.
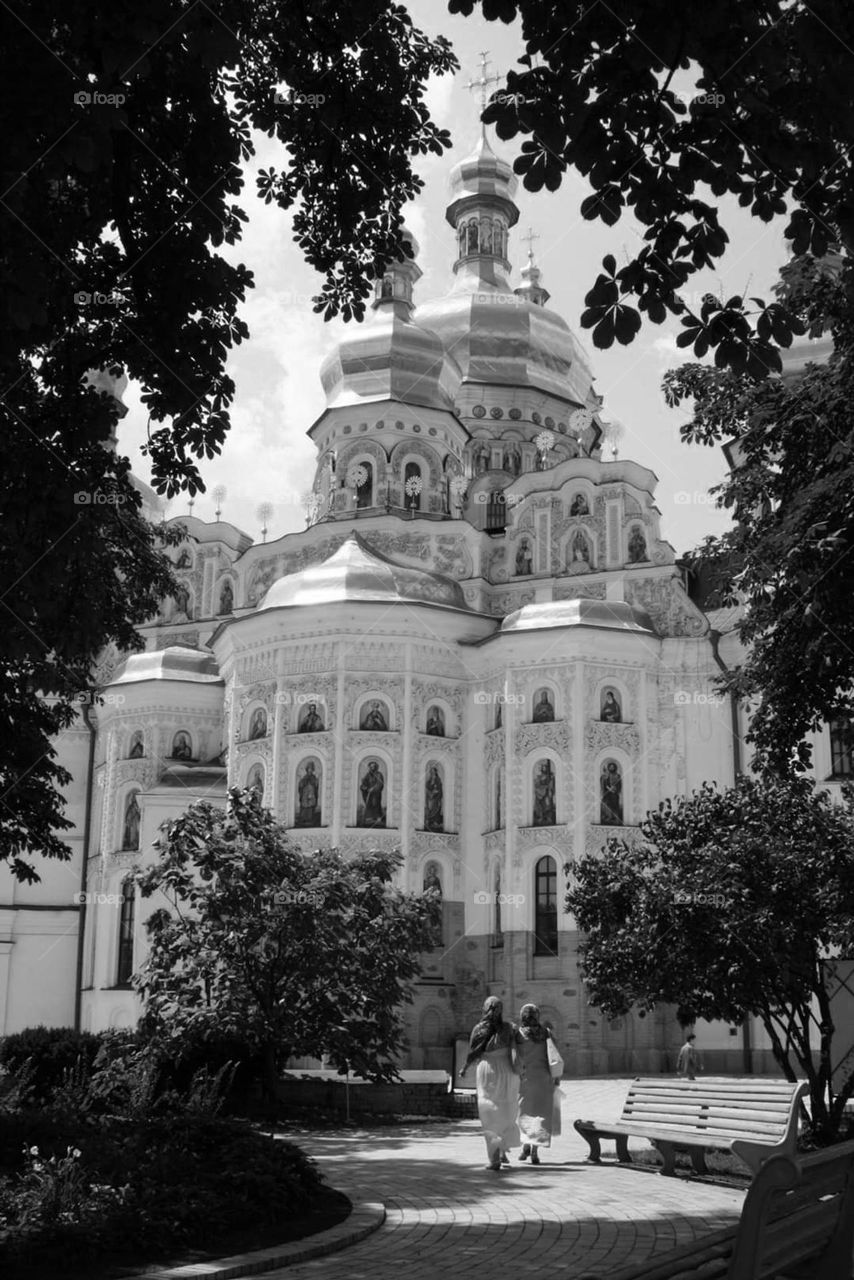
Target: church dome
<point>499,335</point>
<point>173,663</point>
<point>391,357</point>
<point>355,573</point>
<point>609,615</point>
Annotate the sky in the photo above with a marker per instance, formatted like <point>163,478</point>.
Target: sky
<point>267,457</point>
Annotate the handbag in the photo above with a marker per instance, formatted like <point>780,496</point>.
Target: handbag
<point>555,1060</point>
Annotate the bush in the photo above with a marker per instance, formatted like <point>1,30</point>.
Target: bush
<point>140,1188</point>
<point>50,1052</point>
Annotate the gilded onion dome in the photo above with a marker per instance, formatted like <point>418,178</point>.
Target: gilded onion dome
<point>499,335</point>
<point>356,573</point>
<point>173,663</point>
<point>608,615</point>
<point>391,357</point>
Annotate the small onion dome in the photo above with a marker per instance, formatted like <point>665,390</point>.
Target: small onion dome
<point>174,663</point>
<point>355,573</point>
<point>390,357</point>
<point>609,615</point>
<point>482,178</point>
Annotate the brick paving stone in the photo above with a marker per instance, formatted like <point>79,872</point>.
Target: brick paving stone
<point>447,1215</point>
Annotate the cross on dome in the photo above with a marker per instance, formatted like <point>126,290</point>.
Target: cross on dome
<point>529,239</point>
<point>484,80</point>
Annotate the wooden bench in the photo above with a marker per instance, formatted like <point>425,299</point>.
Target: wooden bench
<point>754,1119</point>
<point>797,1221</point>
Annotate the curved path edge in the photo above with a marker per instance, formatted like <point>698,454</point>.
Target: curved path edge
<point>365,1217</point>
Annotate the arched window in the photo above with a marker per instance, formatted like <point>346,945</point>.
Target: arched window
<point>611,794</point>
<point>130,826</point>
<point>434,797</point>
<point>610,706</point>
<point>841,747</point>
<point>182,746</point>
<point>412,486</point>
<point>545,907</point>
<point>637,545</point>
<point>544,707</point>
<point>257,723</point>
<point>471,236</point>
<point>255,781</point>
<point>124,965</point>
<point>543,787</point>
<point>226,597</point>
<point>374,716</point>
<point>497,931</point>
<point>308,787</point>
<point>365,491</point>
<point>372,798</point>
<point>433,883</point>
<point>137,746</point>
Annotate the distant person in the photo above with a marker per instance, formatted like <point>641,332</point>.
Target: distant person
<point>688,1063</point>
<point>491,1047</point>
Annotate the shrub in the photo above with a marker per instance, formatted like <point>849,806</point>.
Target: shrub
<point>139,1188</point>
<point>48,1053</point>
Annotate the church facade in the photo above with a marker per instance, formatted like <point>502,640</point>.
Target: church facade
<point>480,652</point>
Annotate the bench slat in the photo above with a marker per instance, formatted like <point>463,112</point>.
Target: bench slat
<point>675,1133</point>
<point>705,1126</point>
<point>712,1116</point>
<point>665,1102</point>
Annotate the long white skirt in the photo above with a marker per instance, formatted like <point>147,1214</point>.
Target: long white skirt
<point>498,1102</point>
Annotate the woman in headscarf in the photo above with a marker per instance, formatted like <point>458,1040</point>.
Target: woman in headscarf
<point>539,1108</point>
<point>491,1047</point>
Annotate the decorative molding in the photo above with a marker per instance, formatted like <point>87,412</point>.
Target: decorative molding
<point>528,836</point>
<point>530,737</point>
<point>597,837</point>
<point>600,735</point>
<point>493,748</point>
<point>580,591</point>
<point>368,839</point>
<point>424,842</point>
<point>671,611</point>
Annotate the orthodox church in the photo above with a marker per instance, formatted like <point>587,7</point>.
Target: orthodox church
<point>481,652</point>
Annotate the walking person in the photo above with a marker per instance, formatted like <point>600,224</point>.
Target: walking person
<point>539,1104</point>
<point>688,1063</point>
<point>491,1047</point>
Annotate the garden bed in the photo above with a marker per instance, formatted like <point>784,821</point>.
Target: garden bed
<point>111,1197</point>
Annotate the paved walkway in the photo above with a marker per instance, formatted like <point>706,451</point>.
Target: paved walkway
<point>449,1217</point>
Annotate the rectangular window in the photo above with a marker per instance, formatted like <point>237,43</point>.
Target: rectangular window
<point>841,744</point>
<point>124,968</point>
<point>545,908</point>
